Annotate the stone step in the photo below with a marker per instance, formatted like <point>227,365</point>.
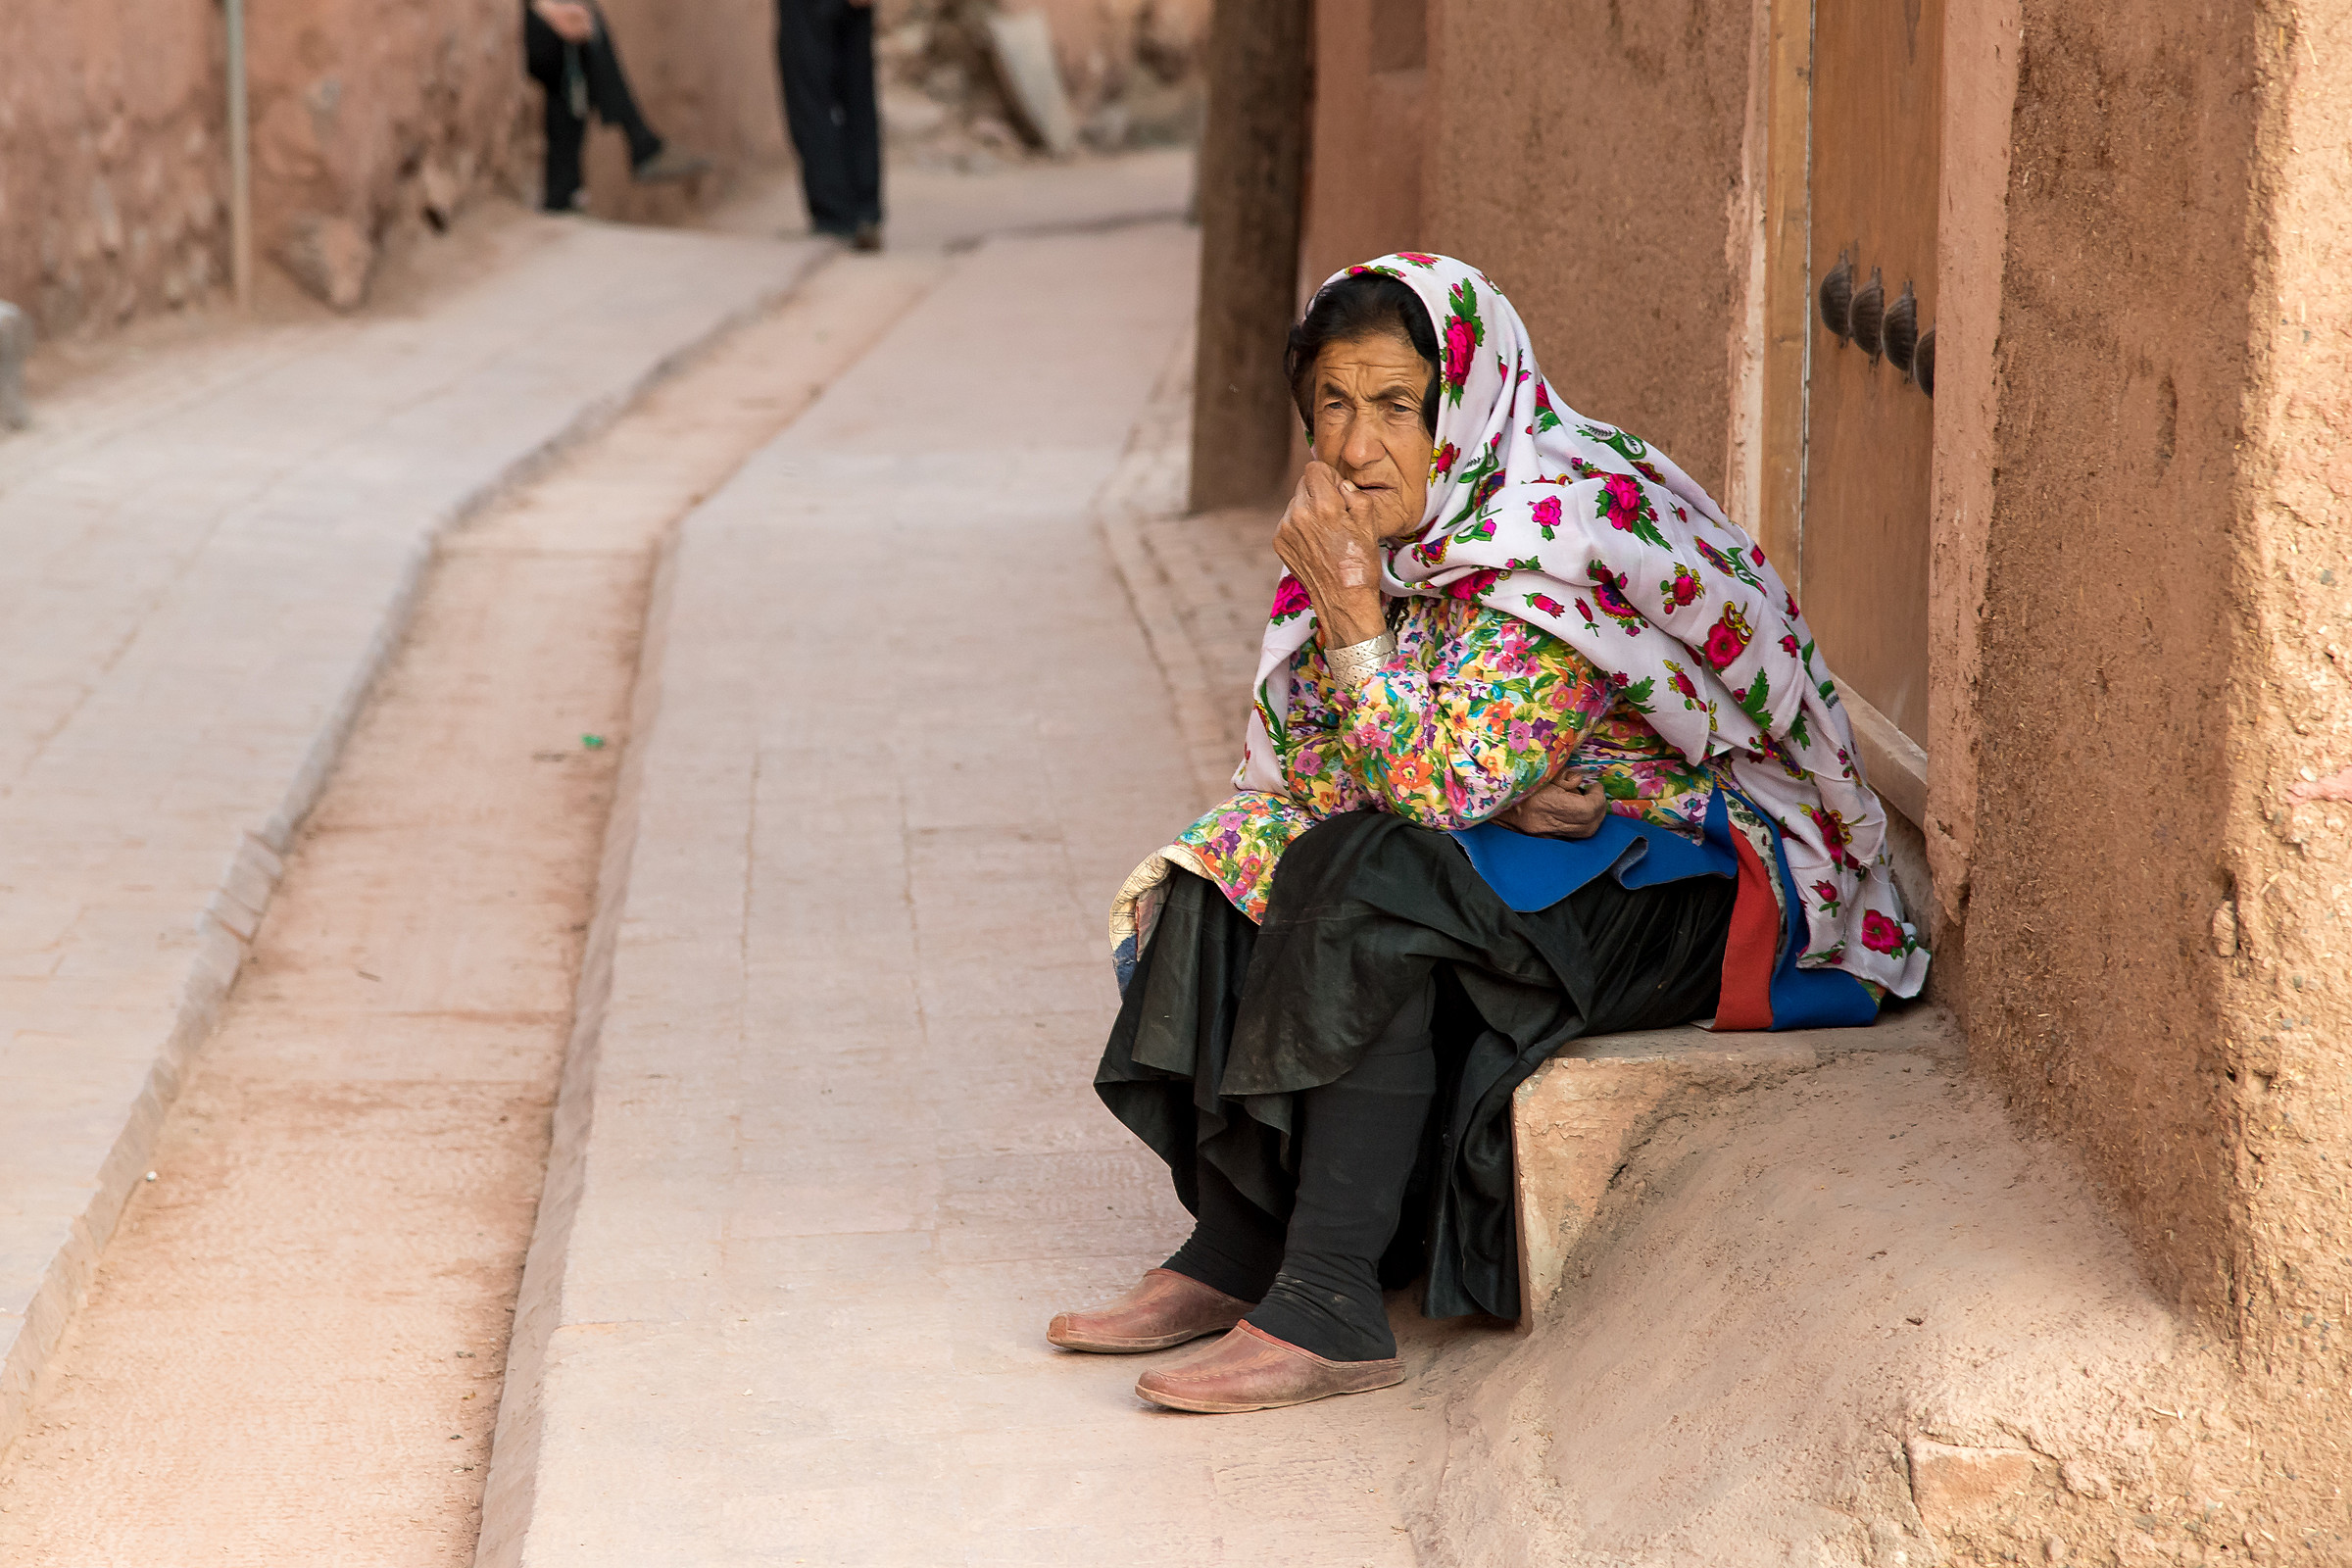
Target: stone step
<point>1579,1116</point>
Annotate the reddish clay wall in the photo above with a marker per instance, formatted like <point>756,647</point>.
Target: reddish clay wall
<point>114,176</point>
<point>364,115</point>
<point>2162,865</point>
<point>1972,237</point>
<point>2280,938</point>
<point>1588,154</point>
<point>706,77</point>
<point>2103,708</point>
<point>111,169</point>
<point>2288,985</point>
<point>1365,154</point>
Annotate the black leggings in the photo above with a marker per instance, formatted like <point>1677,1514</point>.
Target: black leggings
<point>580,77</point>
<point>1316,1282</point>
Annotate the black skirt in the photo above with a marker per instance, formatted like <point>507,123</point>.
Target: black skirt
<point>1224,1022</point>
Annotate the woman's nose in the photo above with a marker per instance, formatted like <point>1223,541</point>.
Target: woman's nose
<point>1361,448</point>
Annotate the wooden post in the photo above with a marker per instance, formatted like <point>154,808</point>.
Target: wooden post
<point>1788,284</point>
<point>1252,186</point>
<point>15,343</point>
<point>240,160</point>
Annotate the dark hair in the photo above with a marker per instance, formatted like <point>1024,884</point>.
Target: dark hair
<point>1359,306</point>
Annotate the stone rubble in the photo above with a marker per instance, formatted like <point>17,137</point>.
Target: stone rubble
<point>1132,72</point>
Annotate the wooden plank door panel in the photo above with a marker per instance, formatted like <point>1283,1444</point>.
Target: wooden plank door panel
<point>1876,111</point>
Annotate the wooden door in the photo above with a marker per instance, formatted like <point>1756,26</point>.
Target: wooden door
<point>1875,111</point>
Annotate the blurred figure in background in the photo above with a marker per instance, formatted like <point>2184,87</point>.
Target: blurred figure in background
<point>825,54</point>
<point>568,52</point>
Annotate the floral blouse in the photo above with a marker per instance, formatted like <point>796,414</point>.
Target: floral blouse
<point>1475,710</point>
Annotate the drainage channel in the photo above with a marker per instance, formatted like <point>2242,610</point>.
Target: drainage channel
<point>292,1350</point>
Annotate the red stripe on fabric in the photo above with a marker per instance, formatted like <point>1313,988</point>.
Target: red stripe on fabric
<point>1752,946</point>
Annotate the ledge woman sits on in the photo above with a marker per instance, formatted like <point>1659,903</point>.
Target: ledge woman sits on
<point>1537,752</point>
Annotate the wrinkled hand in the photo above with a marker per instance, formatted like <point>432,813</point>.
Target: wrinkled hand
<point>1568,807</point>
<point>1330,540</point>
<point>573,23</point>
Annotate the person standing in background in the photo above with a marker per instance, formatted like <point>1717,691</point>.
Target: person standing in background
<point>568,52</point>
<point>825,55</point>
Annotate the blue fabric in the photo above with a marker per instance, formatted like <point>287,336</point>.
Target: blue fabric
<point>1807,998</point>
<point>1531,873</point>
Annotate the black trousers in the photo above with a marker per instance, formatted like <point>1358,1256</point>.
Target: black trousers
<point>825,54</point>
<point>1385,961</point>
<point>579,78</point>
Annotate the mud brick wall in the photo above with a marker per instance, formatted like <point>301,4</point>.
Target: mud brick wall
<point>2103,745</point>
<point>369,119</point>
<point>1588,155</point>
<point>705,77</point>
<point>1370,128</point>
<point>113,160</point>
<point>2286,986</point>
<point>113,171</point>
<point>2143,735</point>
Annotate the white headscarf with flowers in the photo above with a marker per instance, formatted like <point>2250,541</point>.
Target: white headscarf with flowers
<point>1583,530</point>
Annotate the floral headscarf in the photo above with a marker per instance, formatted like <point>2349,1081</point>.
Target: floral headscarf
<point>1583,530</point>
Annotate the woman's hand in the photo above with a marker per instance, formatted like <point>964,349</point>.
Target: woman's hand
<point>1570,807</point>
<point>573,24</point>
<point>1330,539</point>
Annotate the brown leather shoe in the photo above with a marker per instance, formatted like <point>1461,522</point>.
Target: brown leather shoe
<point>1249,1369</point>
<point>1164,1308</point>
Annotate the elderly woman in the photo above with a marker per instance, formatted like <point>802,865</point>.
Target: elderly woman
<point>1500,618</point>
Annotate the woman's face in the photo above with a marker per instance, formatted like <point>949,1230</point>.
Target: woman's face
<point>1365,399</point>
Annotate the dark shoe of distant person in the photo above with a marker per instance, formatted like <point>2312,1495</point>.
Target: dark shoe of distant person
<point>1164,1308</point>
<point>866,237</point>
<point>1249,1369</point>
<point>668,165</point>
<point>569,51</point>
<point>825,59</point>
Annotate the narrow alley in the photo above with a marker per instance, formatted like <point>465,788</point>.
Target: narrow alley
<point>580,718</point>
<point>826,1138</point>
<point>840,1160</point>
<point>743,800</point>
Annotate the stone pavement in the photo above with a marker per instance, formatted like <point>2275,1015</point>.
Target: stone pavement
<point>207,560</point>
<point>827,1156</point>
<point>1201,586</point>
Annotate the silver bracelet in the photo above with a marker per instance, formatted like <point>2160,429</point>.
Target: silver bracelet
<point>1352,664</point>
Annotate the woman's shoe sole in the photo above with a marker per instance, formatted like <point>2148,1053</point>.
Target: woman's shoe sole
<point>1176,1401</point>
<point>1130,1347</point>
